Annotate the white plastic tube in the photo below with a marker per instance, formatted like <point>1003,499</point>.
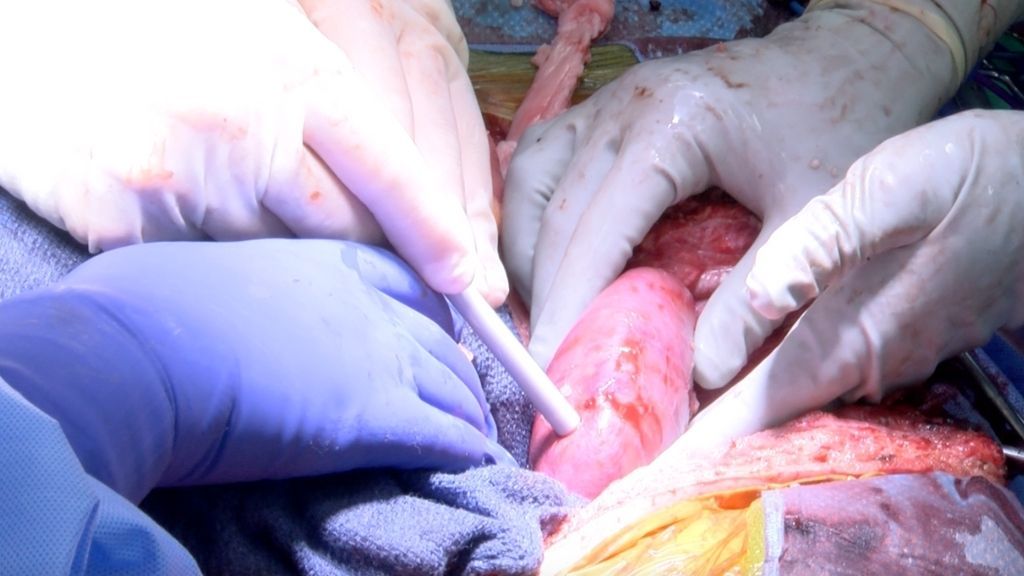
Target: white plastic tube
<point>520,365</point>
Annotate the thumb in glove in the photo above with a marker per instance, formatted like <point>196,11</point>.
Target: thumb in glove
<point>912,258</point>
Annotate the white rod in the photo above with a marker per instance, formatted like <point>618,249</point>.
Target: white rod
<point>520,365</point>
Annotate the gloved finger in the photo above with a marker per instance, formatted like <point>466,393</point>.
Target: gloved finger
<point>455,387</point>
<point>579,257</point>
<point>368,40</point>
<point>440,15</point>
<point>841,347</point>
<point>386,272</point>
<point>446,443</point>
<point>381,64</point>
<point>729,329</point>
<point>107,218</point>
<point>449,381</point>
<point>795,377</point>
<point>115,213</point>
<point>372,154</point>
<point>491,281</point>
<point>428,64</point>
<point>452,386</point>
<point>409,436</point>
<point>569,201</point>
<point>310,200</point>
<point>365,33</point>
<point>865,215</point>
<point>537,167</point>
<point>439,394</point>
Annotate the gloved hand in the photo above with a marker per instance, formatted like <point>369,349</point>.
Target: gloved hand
<point>414,55</point>
<point>232,119</point>
<point>914,257</point>
<point>198,362</point>
<point>773,121</point>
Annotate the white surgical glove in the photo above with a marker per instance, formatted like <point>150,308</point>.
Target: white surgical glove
<point>914,257</point>
<point>414,54</point>
<point>127,121</point>
<point>773,121</point>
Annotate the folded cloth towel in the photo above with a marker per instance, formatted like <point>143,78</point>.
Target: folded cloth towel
<point>484,521</point>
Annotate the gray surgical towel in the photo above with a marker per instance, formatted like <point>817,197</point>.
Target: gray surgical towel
<point>513,413</point>
<point>485,521</point>
<point>32,252</point>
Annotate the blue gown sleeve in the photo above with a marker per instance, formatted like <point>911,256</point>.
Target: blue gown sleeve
<point>57,520</point>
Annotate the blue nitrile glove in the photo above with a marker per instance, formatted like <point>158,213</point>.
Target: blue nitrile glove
<point>186,363</point>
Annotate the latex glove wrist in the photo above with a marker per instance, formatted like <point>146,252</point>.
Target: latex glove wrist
<point>190,363</point>
<point>49,353</point>
<point>968,29</point>
<point>913,258</point>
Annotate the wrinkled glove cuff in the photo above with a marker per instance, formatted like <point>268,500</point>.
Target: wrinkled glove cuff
<point>935,20</point>
<point>68,353</point>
